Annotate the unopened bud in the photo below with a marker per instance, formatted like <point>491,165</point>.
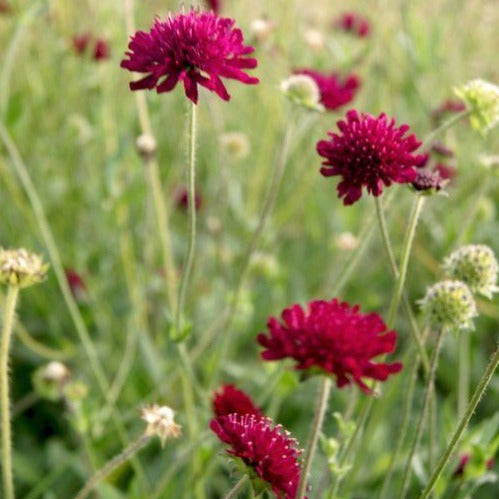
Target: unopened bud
<point>146,145</point>
<point>302,90</point>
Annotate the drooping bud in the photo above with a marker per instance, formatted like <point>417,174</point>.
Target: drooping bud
<point>21,268</point>
<point>449,305</point>
<point>482,97</point>
<point>475,265</point>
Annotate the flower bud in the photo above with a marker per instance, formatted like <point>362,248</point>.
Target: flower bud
<point>160,422</point>
<point>50,379</point>
<point>235,144</point>
<point>302,90</point>
<point>21,268</point>
<point>146,145</point>
<point>482,97</point>
<point>449,305</point>
<point>261,29</point>
<point>476,266</point>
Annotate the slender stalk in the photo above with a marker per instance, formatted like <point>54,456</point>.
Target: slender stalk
<point>385,237</point>
<point>112,464</point>
<point>406,251</point>
<point>463,423</point>
<point>238,487</point>
<point>433,428</point>
<point>320,411</point>
<point>8,323</point>
<point>464,374</point>
<point>444,126</point>
<point>191,205</point>
<point>422,415</point>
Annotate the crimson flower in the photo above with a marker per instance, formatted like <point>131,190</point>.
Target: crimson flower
<point>446,172</point>
<point>76,285</point>
<point>182,199</point>
<point>353,23</point>
<point>81,42</point>
<point>214,5</point>
<point>101,49</point>
<point>271,454</point>
<point>335,92</point>
<point>196,48</point>
<point>229,400</point>
<point>332,338</point>
<point>369,152</point>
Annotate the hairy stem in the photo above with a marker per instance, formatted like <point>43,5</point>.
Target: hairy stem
<point>8,323</point>
<point>238,487</point>
<point>320,411</point>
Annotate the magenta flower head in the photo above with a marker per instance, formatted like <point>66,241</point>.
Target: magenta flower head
<point>331,338</point>
<point>229,400</point>
<point>195,48</point>
<point>353,23</point>
<point>269,453</point>
<point>334,91</point>
<point>369,152</point>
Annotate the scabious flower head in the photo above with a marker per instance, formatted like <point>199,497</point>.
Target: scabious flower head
<point>482,97</point>
<point>146,145</point>
<point>302,90</point>
<point>449,305</point>
<point>229,400</point>
<point>353,23</point>
<point>331,337</point>
<point>475,265</point>
<point>428,181</point>
<point>76,284</point>
<point>369,152</point>
<point>334,91</point>
<point>182,199</point>
<point>269,453</point>
<point>160,422</point>
<point>196,48</point>
<point>21,268</point>
<point>81,42</point>
<point>101,50</point>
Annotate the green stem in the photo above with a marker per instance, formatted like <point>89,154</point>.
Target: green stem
<point>422,415</point>
<point>406,251</point>
<point>191,205</point>
<point>463,423</point>
<point>314,436</point>
<point>8,323</point>
<point>112,464</point>
<point>464,374</point>
<point>233,493</point>
<point>444,126</point>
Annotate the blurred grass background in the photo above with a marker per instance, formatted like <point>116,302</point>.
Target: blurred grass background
<point>75,123</point>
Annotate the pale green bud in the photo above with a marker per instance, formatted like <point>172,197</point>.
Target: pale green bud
<point>475,265</point>
<point>449,305</point>
<point>21,268</point>
<point>482,98</point>
<point>302,90</point>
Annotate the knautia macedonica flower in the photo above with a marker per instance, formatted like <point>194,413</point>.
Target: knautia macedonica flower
<point>332,338</point>
<point>369,152</point>
<point>269,453</point>
<point>353,23</point>
<point>449,305</point>
<point>475,265</point>
<point>160,422</point>
<point>230,400</point>
<point>302,90</point>
<point>482,97</point>
<point>21,268</point>
<point>196,48</point>
<point>334,91</point>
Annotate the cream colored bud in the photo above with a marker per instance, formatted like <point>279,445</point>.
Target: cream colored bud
<point>21,268</point>
<point>160,422</point>
<point>313,38</point>
<point>235,144</point>
<point>346,241</point>
<point>146,145</point>
<point>261,29</point>
<point>302,90</point>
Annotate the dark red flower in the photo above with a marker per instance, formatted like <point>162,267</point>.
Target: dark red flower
<point>229,400</point>
<point>448,106</point>
<point>214,5</point>
<point>445,172</point>
<point>463,461</point>
<point>81,42</point>
<point>270,453</point>
<point>182,199</point>
<point>335,91</point>
<point>353,23</point>
<point>76,284</point>
<point>332,338</point>
<point>101,49</point>
<point>428,180</point>
<point>369,152</point>
<point>197,48</point>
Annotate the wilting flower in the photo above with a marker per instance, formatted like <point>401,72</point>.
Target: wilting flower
<point>331,338</point>
<point>21,268</point>
<point>196,48</point>
<point>334,90</point>
<point>482,97</point>
<point>449,305</point>
<point>182,199</point>
<point>302,90</point>
<point>101,49</point>
<point>369,152</point>
<point>269,453</point>
<point>160,422</point>
<point>353,23</point>
<point>476,266</point>
<point>229,400</point>
<point>81,42</point>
